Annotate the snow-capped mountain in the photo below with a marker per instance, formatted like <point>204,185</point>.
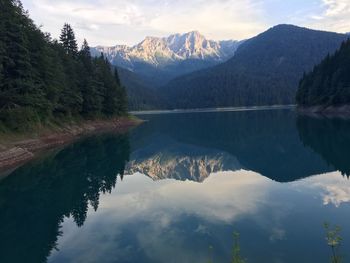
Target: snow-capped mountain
<point>173,160</point>
<point>160,52</point>
<point>161,59</point>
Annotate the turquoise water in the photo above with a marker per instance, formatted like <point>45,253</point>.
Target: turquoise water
<point>181,183</point>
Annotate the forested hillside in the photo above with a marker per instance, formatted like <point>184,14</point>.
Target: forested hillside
<point>141,93</point>
<point>329,82</point>
<point>44,80</point>
<point>265,70</point>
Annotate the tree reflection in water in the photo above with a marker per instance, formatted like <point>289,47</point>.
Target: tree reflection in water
<point>35,199</point>
<point>330,138</point>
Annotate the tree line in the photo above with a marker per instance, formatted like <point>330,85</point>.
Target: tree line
<point>44,80</point>
<point>328,84</point>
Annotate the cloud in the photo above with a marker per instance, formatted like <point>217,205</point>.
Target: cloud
<point>155,214</point>
<point>337,195</point>
<point>111,22</point>
<point>160,217</point>
<point>334,16</point>
<point>218,19</point>
<point>335,8</point>
<point>333,188</point>
<point>107,21</point>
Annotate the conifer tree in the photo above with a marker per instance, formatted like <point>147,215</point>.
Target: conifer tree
<point>122,94</point>
<point>42,79</point>
<point>68,40</point>
<point>17,82</point>
<point>90,87</point>
<point>85,49</point>
<point>116,76</point>
<point>329,82</point>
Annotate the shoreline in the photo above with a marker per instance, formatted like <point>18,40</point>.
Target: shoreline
<point>325,111</point>
<point>219,109</point>
<point>17,150</point>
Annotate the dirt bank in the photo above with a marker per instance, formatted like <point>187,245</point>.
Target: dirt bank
<point>17,149</point>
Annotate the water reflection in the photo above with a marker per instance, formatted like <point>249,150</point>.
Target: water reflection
<point>266,142</point>
<point>36,198</point>
<point>160,213</point>
<point>332,188</point>
<point>174,221</point>
<point>330,138</point>
<point>147,222</point>
<point>164,158</point>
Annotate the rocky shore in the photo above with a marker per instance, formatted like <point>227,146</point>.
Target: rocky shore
<point>14,152</point>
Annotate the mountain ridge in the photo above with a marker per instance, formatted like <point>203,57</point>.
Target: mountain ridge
<point>176,47</point>
<point>161,59</point>
<point>264,70</point>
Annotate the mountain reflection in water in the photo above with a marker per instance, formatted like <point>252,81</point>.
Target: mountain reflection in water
<point>239,158</point>
<point>266,142</point>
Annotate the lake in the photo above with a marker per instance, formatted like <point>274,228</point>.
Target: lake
<point>177,188</point>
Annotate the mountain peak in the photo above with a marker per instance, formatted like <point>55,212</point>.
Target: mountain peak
<point>157,51</point>
<point>194,33</point>
<point>294,28</point>
<point>150,38</point>
<point>285,26</point>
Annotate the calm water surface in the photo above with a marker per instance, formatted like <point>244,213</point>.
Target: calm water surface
<point>181,183</point>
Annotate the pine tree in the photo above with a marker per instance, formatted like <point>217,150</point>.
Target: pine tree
<point>90,86</point>
<point>68,40</point>
<point>116,76</point>
<point>122,94</point>
<point>85,57</point>
<point>329,82</point>
<point>17,84</point>
<point>42,79</point>
<point>85,50</point>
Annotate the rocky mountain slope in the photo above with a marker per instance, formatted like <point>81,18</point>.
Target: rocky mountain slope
<point>179,161</point>
<point>171,56</point>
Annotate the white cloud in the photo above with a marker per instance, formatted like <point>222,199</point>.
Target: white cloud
<point>160,207</point>
<point>337,195</point>
<point>333,188</point>
<point>112,22</point>
<point>153,214</point>
<point>218,19</point>
<point>336,7</point>
<point>334,16</point>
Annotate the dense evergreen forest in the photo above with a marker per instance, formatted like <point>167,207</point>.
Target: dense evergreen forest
<point>329,82</point>
<point>43,80</point>
<point>264,71</point>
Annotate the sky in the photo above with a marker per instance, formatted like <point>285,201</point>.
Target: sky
<point>112,22</point>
